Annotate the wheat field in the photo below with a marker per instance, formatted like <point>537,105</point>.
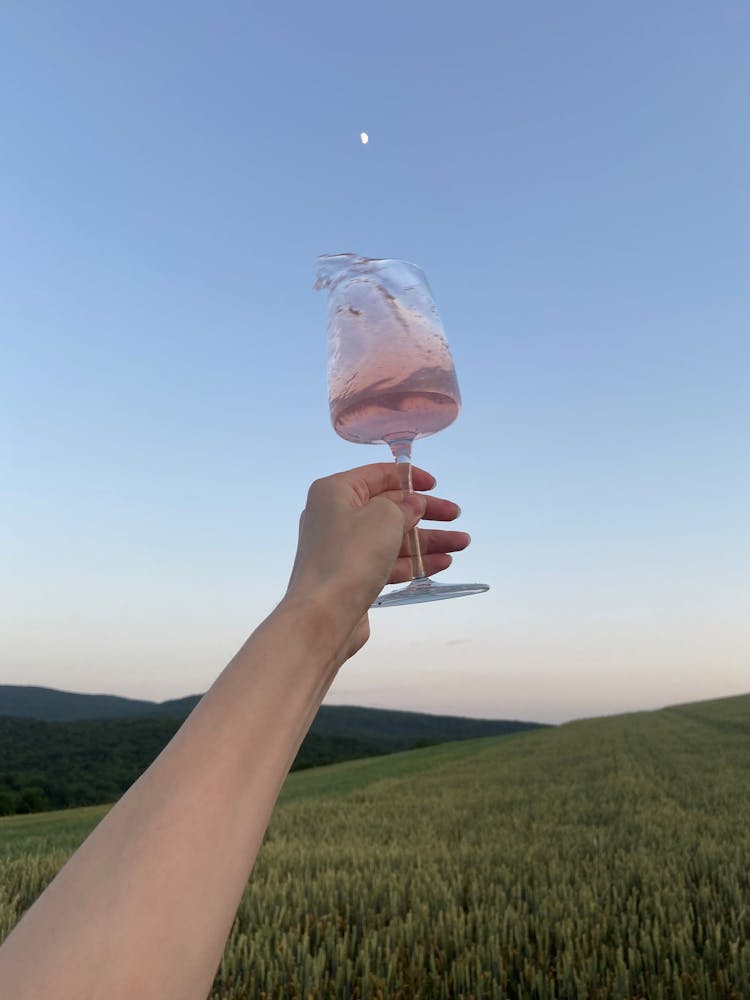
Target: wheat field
<point>603,859</point>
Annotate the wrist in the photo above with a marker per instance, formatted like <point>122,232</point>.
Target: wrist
<point>323,622</point>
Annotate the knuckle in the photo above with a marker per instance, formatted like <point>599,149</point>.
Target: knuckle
<point>361,490</point>
<point>317,487</point>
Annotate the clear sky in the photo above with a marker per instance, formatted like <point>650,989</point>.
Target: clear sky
<point>574,180</point>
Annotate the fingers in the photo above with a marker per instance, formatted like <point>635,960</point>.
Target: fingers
<point>401,571</point>
<point>441,510</point>
<point>434,541</point>
<point>380,477</point>
<point>422,480</point>
<point>434,546</point>
<point>436,509</point>
<point>416,507</point>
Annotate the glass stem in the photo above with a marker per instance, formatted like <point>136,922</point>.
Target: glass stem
<point>401,450</point>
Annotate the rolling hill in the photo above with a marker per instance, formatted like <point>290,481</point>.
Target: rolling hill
<point>62,749</point>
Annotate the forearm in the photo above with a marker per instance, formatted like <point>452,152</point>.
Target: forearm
<point>145,905</point>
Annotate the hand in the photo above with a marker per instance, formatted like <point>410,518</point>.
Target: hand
<point>352,540</point>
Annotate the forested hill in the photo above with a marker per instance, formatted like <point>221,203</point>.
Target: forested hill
<point>399,729</point>
<point>54,754</point>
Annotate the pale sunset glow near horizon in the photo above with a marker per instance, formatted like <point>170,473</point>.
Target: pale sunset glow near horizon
<point>573,181</point>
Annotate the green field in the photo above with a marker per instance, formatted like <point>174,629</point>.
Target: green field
<point>57,753</point>
<point>604,858</point>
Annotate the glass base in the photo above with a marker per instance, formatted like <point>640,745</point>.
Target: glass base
<point>425,590</point>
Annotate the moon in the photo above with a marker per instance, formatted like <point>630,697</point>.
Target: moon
<point>364,137</point>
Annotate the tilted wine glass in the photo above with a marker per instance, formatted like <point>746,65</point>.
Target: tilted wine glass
<point>391,377</point>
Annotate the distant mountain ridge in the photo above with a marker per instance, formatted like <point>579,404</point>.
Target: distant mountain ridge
<point>53,705</point>
<point>60,748</point>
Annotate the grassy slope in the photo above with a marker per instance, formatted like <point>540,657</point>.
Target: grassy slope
<point>66,828</point>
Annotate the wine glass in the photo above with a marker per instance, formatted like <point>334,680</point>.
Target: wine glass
<point>391,377</point>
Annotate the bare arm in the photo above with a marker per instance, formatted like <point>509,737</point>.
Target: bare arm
<point>145,905</point>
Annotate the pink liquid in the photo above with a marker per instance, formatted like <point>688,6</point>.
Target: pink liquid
<point>390,370</point>
<point>393,414</point>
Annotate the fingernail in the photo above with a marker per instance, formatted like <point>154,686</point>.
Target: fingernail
<point>458,511</point>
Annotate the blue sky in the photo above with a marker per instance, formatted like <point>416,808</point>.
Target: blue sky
<point>572,178</point>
